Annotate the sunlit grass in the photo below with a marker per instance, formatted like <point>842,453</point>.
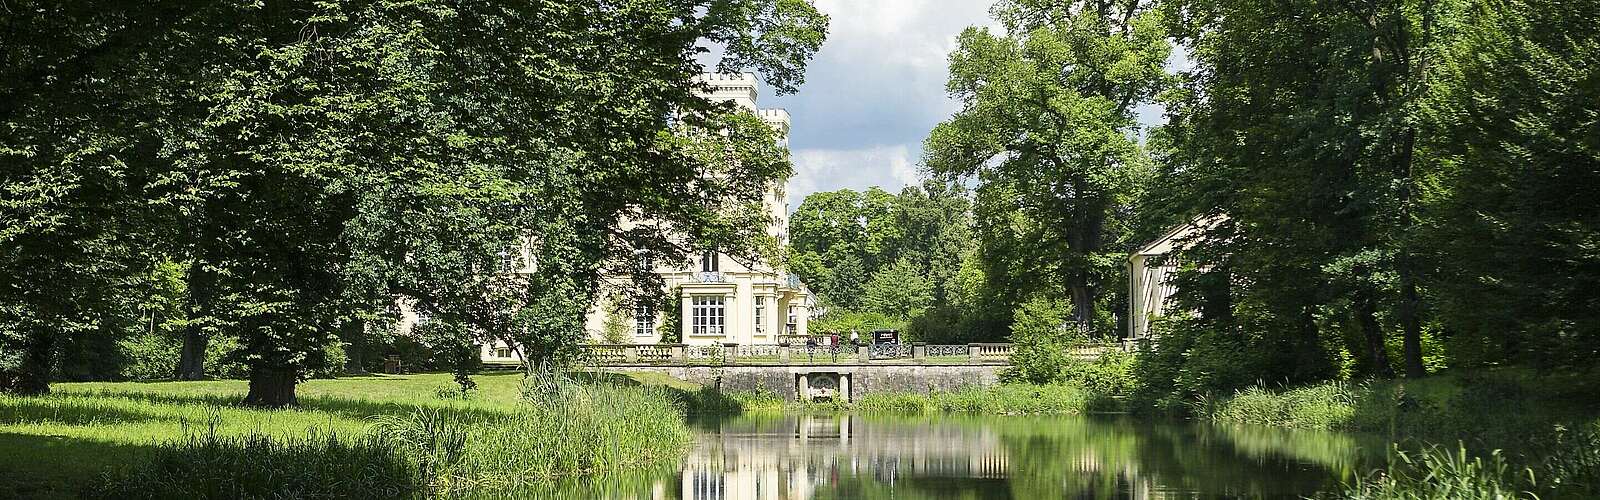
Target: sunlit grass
<point>71,436</point>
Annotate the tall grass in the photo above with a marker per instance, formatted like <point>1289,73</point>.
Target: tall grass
<point>1327,406</point>
<point>1437,473</point>
<point>319,465</point>
<point>574,430</point>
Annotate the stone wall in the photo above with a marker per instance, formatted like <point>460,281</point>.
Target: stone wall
<point>863,379</point>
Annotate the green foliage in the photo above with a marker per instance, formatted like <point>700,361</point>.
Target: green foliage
<point>1041,333</point>
<point>147,356</point>
<point>899,290</point>
<point>618,327</point>
<point>143,435</point>
<point>1108,375</point>
<point>671,327</point>
<point>223,358</point>
<point>1047,128</point>
<point>1436,473</point>
<point>844,322</point>
<point>1510,148</point>
<point>1001,399</point>
<point>298,178</point>
<point>579,430</point>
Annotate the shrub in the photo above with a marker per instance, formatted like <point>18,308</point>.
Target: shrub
<point>148,356</point>
<point>1040,337</point>
<point>1111,374</point>
<point>222,360</point>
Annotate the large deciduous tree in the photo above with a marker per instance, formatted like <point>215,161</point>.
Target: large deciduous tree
<point>308,159</point>
<point>1047,127</point>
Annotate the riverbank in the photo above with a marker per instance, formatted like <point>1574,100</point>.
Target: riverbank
<point>999,399</point>
<point>1498,432</point>
<point>357,437</point>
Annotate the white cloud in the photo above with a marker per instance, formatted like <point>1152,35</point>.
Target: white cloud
<point>891,167</point>
<point>873,92</point>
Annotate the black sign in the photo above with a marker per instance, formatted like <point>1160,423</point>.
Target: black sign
<point>886,336</point>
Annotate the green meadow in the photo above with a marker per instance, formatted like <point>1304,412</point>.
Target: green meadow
<point>91,438</point>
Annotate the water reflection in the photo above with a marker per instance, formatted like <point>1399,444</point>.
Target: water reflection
<point>781,457</point>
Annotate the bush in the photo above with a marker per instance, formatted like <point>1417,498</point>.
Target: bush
<point>1111,374</point>
<point>222,360</point>
<point>148,356</point>
<point>1040,337</point>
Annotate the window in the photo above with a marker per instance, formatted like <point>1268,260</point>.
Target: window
<point>761,315</point>
<point>502,352</point>
<point>706,315</point>
<point>644,320</point>
<point>794,324</point>
<point>508,260</point>
<point>708,261</point>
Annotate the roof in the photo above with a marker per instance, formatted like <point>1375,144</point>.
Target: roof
<point>1165,243</point>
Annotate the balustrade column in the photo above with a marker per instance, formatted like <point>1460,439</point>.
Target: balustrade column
<point>677,355</point>
<point>783,354</point>
<point>974,353</point>
<point>919,352</point>
<point>864,354</point>
<point>630,353</point>
<point>730,353</point>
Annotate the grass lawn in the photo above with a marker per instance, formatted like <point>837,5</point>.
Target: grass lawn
<point>54,444</point>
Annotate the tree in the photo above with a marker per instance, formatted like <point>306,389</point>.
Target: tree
<point>1310,154</point>
<point>900,290</point>
<point>1040,337</point>
<point>1047,128</point>
<point>1508,136</point>
<point>300,143</point>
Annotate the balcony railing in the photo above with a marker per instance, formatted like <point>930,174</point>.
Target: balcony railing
<point>793,353</point>
<point>709,277</point>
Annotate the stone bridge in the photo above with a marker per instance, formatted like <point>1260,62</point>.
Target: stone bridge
<point>819,372</point>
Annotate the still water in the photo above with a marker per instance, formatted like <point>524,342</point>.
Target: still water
<point>955,457</point>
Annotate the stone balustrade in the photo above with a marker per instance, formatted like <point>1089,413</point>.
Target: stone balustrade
<point>791,354</point>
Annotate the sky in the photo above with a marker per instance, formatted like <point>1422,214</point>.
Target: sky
<point>875,90</point>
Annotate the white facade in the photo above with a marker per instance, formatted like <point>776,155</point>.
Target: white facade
<point>723,300</point>
<point>1149,284</point>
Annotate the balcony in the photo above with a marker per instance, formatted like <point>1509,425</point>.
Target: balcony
<point>708,277</point>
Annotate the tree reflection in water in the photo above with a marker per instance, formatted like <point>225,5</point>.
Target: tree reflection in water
<point>773,457</point>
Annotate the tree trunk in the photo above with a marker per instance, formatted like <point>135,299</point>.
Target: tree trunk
<point>356,337</point>
<point>1083,306</point>
<point>272,387</point>
<point>192,356</point>
<point>32,376</point>
<point>1367,314</point>
<point>1410,323</point>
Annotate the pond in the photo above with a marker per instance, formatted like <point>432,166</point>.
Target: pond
<point>966,457</point>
